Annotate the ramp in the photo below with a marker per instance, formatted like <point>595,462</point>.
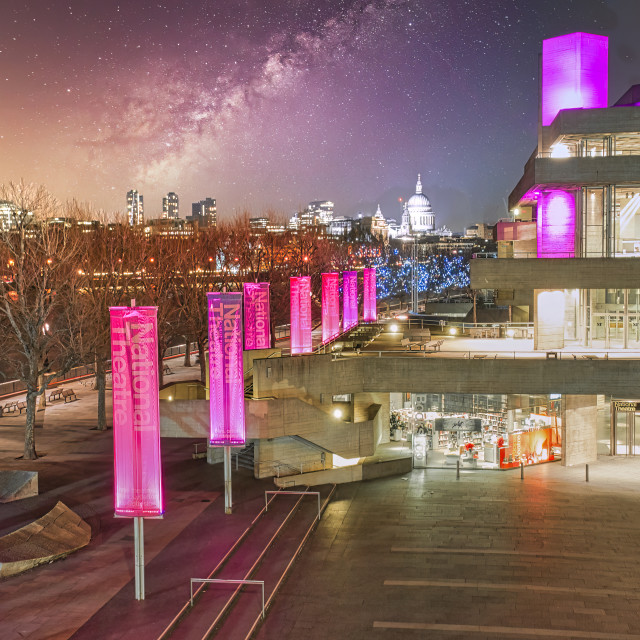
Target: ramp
<point>17,485</point>
<point>54,536</point>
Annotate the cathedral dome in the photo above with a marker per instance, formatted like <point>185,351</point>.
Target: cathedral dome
<point>418,199</point>
<point>419,217</point>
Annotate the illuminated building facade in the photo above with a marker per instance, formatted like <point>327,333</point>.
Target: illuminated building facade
<point>170,206</point>
<point>135,207</point>
<point>572,265</point>
<point>204,213</point>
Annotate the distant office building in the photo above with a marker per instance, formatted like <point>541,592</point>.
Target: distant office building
<point>321,211</point>
<point>341,226</point>
<point>204,213</point>
<point>265,225</point>
<point>6,215</point>
<point>317,213</point>
<point>170,206</point>
<point>135,207</point>
<point>479,230</point>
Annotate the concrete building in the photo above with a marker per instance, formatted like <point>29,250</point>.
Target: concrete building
<point>572,268</point>
<point>504,393</point>
<point>135,207</point>
<point>170,206</point>
<point>204,213</point>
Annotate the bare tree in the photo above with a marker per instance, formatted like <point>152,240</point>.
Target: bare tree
<point>109,264</point>
<point>38,261</point>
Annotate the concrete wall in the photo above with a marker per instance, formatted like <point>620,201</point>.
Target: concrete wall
<point>555,273</point>
<point>620,378</point>
<point>579,422</point>
<point>549,314</point>
<point>354,473</point>
<point>560,172</point>
<point>592,122</point>
<point>280,418</point>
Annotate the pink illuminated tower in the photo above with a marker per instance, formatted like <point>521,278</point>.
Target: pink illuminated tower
<point>574,74</point>
<point>556,225</point>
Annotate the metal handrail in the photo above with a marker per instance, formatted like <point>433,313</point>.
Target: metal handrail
<point>222,581</point>
<point>169,629</point>
<point>293,493</point>
<point>293,559</point>
<point>492,354</point>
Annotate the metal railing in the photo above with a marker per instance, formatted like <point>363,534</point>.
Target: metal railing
<point>490,354</point>
<point>292,493</point>
<point>223,581</point>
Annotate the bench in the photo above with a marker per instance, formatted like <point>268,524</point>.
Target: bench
<point>69,395</point>
<point>432,347</point>
<point>22,406</point>
<point>407,344</point>
<point>10,407</point>
<point>55,394</point>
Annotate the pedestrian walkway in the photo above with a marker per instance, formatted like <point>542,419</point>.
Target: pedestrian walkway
<point>484,557</point>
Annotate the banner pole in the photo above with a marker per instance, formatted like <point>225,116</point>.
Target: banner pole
<point>138,542</point>
<point>227,480</point>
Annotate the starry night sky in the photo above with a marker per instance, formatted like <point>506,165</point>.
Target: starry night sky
<point>268,104</point>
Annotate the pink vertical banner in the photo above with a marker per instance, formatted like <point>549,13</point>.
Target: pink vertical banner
<point>226,373</point>
<point>349,299</point>
<point>301,315</point>
<point>370,312</point>
<point>330,306</point>
<point>136,412</point>
<point>257,327</point>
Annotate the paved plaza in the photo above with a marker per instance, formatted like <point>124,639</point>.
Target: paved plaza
<point>416,556</point>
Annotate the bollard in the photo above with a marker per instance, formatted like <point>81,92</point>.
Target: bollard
<point>458,469</point>
<point>587,472</point>
<point>521,470</point>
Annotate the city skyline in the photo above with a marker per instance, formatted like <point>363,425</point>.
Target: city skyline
<point>268,106</point>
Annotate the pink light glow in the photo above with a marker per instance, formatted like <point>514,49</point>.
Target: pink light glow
<point>370,312</point>
<point>556,224</point>
<point>349,299</point>
<point>136,412</point>
<point>226,374</point>
<point>574,74</point>
<point>257,328</point>
<point>330,306</point>
<point>301,315</point>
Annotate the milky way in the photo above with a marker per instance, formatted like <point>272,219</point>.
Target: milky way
<point>266,105</point>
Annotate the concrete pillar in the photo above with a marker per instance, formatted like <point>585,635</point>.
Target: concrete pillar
<point>579,422</point>
<point>549,319</point>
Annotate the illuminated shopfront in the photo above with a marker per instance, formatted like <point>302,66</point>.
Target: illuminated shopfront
<point>495,432</point>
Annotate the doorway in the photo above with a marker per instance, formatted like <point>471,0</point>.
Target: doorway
<point>626,433</point>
